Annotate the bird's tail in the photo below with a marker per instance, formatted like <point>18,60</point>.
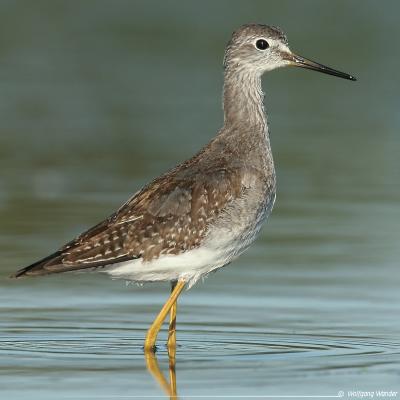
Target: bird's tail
<point>38,267</point>
<point>53,264</point>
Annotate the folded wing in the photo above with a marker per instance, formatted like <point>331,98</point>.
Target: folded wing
<point>169,216</point>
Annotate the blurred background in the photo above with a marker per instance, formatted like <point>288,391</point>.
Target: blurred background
<point>99,97</point>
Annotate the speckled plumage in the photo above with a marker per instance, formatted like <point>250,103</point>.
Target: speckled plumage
<point>203,213</point>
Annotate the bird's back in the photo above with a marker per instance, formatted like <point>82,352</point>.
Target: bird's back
<point>211,194</point>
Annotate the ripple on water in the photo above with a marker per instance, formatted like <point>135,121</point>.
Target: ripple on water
<point>210,346</point>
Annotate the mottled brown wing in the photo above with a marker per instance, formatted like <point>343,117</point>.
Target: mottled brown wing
<point>176,218</point>
<point>169,216</point>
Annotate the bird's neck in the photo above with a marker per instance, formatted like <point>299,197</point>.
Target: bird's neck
<point>243,141</point>
<point>243,102</point>
<point>245,130</point>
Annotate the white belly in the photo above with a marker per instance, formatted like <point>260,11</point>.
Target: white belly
<point>231,234</point>
<point>190,266</point>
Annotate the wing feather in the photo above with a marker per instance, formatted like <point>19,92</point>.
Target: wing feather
<point>170,215</point>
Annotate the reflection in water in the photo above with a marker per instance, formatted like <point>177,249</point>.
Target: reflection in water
<point>169,388</point>
<point>88,352</point>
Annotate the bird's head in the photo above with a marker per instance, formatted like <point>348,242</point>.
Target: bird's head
<point>257,49</point>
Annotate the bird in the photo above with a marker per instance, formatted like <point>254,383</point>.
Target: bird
<point>205,212</point>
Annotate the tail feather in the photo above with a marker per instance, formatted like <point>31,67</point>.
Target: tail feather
<point>37,268</point>
<point>53,264</point>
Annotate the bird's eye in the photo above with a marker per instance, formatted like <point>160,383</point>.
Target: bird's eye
<point>262,44</point>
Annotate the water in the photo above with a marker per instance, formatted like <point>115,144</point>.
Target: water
<point>96,100</point>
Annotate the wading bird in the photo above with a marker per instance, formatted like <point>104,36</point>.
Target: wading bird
<point>205,212</point>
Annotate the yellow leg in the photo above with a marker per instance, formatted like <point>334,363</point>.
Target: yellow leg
<point>151,337</point>
<point>172,327</point>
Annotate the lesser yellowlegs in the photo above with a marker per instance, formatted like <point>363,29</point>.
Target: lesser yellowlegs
<point>204,213</point>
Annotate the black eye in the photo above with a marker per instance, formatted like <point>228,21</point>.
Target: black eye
<point>262,44</point>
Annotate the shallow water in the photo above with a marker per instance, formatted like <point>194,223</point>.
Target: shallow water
<point>95,101</point>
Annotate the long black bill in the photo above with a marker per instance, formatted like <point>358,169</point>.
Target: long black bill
<point>302,62</point>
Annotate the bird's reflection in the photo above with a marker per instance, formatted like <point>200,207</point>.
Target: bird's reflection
<point>169,388</point>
